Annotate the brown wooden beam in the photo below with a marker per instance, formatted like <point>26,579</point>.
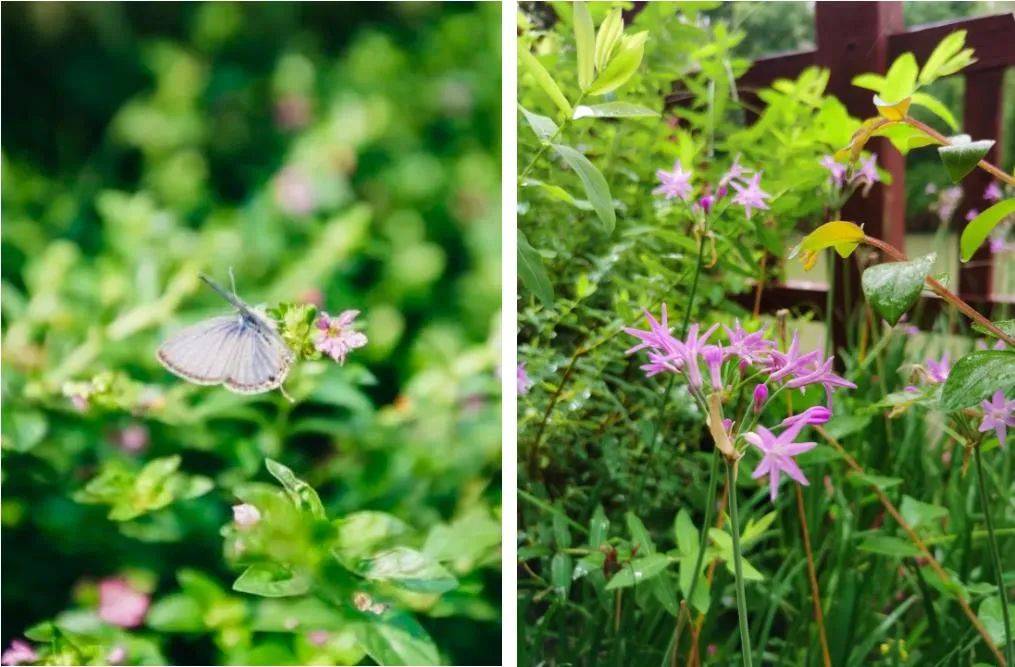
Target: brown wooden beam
<point>992,37</point>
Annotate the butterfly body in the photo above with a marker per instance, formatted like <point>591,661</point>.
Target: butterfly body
<point>242,351</point>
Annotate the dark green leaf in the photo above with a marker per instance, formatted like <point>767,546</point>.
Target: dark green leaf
<point>596,188</point>
<point>976,376</point>
<point>892,288</point>
<point>638,571</point>
<point>960,158</point>
<point>532,273</point>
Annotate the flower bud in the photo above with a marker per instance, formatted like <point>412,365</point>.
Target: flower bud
<point>760,396</point>
<point>245,515</point>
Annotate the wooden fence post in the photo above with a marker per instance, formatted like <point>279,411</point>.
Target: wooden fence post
<point>852,38</point>
<point>982,119</point>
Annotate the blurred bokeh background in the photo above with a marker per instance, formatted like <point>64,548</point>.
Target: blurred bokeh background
<point>345,154</point>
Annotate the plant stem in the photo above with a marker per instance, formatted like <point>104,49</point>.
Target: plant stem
<point>994,171</point>
<point>943,292</point>
<point>745,637</point>
<point>813,578</point>
<point>995,556</point>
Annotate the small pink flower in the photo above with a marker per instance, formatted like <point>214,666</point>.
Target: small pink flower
<point>294,192</point>
<point>751,196</point>
<point>996,245</point>
<point>319,637</point>
<point>675,183</point>
<point>19,653</point>
<point>736,172</point>
<point>336,337</point>
<point>937,371</point>
<point>524,383</point>
<point>971,213</point>
<point>133,439</point>
<point>313,296</point>
<point>246,515</point>
<point>836,170</point>
<point>777,455</point>
<point>992,192</point>
<point>868,173</point>
<point>120,604</point>
<point>818,414</point>
<point>292,112</point>
<point>998,414</point>
<point>117,655</point>
<point>80,402</point>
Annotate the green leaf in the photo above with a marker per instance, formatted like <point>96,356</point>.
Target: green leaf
<point>979,228</point>
<point>545,81</point>
<point>410,569</point>
<point>621,67</point>
<point>861,479</point>
<point>960,158</point>
<point>614,110</point>
<point>976,376</point>
<point>888,545</point>
<point>561,570</point>
<point>990,615</point>
<point>900,80</point>
<point>176,613</point>
<point>638,571</point>
<point>596,188</point>
<point>892,288</point>
<point>756,529</point>
<point>685,532</point>
<point>543,126</point>
<point>919,514</point>
<point>271,580</point>
<point>397,641</point>
<point>869,81</point>
<point>561,534</point>
<point>599,527</point>
<point>936,107</point>
<point>1007,326</point>
<point>639,534</point>
<point>585,44</point>
<point>300,493</point>
<point>360,533</point>
<point>532,273</point>
<point>947,58</point>
<point>610,32</point>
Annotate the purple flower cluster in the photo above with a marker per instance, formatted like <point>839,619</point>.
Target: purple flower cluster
<point>791,368</point>
<point>745,359</point>
<point>866,176</point>
<point>676,184</point>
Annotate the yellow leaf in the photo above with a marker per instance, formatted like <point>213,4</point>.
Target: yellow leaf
<point>895,111</point>
<point>851,153</point>
<point>839,234</point>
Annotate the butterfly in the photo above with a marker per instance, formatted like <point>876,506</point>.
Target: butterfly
<point>241,351</point>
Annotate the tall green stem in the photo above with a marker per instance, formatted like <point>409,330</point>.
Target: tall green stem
<point>745,636</point>
<point>995,555</point>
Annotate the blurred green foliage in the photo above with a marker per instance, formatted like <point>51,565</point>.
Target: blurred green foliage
<point>341,154</point>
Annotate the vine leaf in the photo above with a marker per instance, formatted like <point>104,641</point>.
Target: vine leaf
<point>979,228</point>
<point>962,155</point>
<point>976,376</point>
<point>892,288</point>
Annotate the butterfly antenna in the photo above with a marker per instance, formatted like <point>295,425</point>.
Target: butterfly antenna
<point>286,394</point>
<point>232,281</point>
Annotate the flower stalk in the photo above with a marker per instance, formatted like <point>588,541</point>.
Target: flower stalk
<point>995,556</point>
<point>745,637</point>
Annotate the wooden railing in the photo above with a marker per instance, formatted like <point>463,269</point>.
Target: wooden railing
<point>857,37</point>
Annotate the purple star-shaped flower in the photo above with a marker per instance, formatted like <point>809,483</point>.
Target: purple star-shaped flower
<point>524,383</point>
<point>992,192</point>
<point>751,196</point>
<point>937,371</point>
<point>735,172</point>
<point>751,347</point>
<point>693,346</point>
<point>676,183</point>
<point>868,173</point>
<point>820,373</point>
<point>777,455</point>
<point>713,356</point>
<point>790,362</point>
<point>998,414</point>
<point>836,170</point>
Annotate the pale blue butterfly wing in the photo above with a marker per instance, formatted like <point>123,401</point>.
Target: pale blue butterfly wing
<point>240,351</point>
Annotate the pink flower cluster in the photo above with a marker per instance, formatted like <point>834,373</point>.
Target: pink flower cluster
<point>676,184</point>
<point>744,357</point>
<point>792,368</point>
<point>866,176</point>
